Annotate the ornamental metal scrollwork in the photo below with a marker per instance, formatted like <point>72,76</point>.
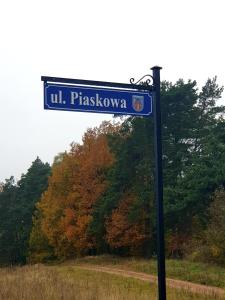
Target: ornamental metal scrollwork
<point>146,80</point>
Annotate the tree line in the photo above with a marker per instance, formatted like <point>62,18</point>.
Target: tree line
<point>99,196</point>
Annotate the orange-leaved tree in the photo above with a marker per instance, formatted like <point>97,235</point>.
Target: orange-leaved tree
<point>77,181</point>
<point>124,233</point>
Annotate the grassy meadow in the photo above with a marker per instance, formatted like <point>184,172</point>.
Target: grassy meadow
<point>68,282</point>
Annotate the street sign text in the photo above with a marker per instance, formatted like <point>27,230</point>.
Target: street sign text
<point>97,99</point>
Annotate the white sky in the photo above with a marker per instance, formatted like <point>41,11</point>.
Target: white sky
<point>110,40</point>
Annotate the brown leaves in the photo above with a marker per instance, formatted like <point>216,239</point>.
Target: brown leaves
<point>78,180</point>
<point>120,231</point>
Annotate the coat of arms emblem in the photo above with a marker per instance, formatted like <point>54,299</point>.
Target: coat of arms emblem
<point>138,103</point>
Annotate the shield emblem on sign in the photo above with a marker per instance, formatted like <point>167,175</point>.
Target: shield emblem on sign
<point>138,103</point>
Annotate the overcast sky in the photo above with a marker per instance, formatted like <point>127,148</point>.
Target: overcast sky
<point>110,40</point>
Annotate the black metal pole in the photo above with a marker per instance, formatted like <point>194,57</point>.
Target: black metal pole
<point>159,185</point>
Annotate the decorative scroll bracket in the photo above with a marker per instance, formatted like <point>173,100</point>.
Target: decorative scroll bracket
<point>145,81</point>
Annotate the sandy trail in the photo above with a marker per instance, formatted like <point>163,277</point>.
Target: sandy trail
<point>172,283</point>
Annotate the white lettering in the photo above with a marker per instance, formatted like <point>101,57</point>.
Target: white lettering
<point>60,97</point>
<point>98,100</point>
<point>114,102</point>
<point>123,103</point>
<point>85,100</point>
<point>53,99</point>
<point>106,102</point>
<point>57,98</point>
<point>74,96</point>
<point>80,98</point>
<point>92,101</point>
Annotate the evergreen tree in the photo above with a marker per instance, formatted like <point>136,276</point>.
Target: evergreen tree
<point>9,221</point>
<point>17,203</point>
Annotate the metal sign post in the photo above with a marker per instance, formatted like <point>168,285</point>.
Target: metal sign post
<point>159,186</point>
<point>137,98</point>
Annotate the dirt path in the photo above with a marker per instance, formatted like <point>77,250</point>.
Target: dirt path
<point>172,283</point>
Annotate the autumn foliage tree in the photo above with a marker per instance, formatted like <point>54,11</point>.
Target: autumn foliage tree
<point>122,232</point>
<point>77,181</point>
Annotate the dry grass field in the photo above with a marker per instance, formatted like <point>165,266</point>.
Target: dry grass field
<point>68,282</point>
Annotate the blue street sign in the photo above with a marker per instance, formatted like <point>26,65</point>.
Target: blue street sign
<point>97,99</point>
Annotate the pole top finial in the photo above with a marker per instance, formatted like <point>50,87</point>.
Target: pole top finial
<point>156,68</point>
